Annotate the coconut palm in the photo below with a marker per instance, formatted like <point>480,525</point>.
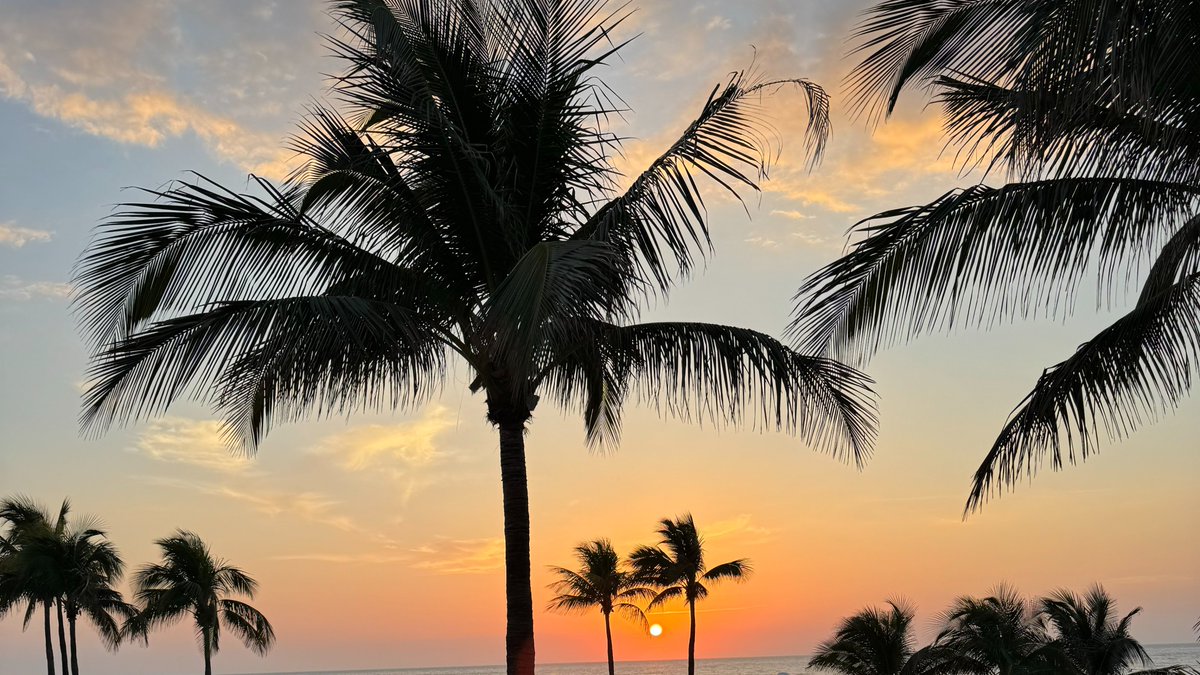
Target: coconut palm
<point>680,571</point>
<point>92,566</point>
<point>1088,631</point>
<point>463,204</point>
<point>602,583</point>
<point>30,569</point>
<point>191,581</point>
<point>881,642</point>
<point>999,634</point>
<point>1091,107</point>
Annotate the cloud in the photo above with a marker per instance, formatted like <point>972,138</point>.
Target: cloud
<point>461,556</point>
<point>198,443</point>
<point>312,507</point>
<point>399,447</point>
<point>142,72</point>
<point>16,237</point>
<point>15,289</point>
<point>741,527</point>
<point>792,214</point>
<point>718,23</point>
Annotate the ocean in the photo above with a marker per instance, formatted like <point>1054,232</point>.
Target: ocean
<point>1163,655</point>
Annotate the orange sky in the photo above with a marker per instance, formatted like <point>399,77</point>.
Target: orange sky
<point>377,540</point>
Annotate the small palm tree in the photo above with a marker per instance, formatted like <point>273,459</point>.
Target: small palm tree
<point>1092,108</point>
<point>881,642</point>
<point>30,570</point>
<point>680,570</point>
<point>603,583</point>
<point>999,634</point>
<point>92,566</point>
<point>191,581</point>
<point>1091,636</point>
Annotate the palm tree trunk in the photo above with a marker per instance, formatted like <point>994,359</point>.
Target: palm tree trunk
<point>207,651</point>
<point>608,635</point>
<point>519,639</point>
<point>72,615</point>
<point>692,639</point>
<point>62,639</point>
<point>49,640</point>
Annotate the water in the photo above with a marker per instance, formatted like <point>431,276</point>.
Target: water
<point>1163,655</point>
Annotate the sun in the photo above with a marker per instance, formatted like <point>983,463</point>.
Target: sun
<point>655,630</point>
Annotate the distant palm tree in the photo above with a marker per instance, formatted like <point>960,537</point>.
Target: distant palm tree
<point>881,642</point>
<point>603,583</point>
<point>1087,630</point>
<point>30,572</point>
<point>680,570</point>
<point>1092,106</point>
<point>190,581</point>
<point>999,634</point>
<point>467,206</point>
<point>92,566</point>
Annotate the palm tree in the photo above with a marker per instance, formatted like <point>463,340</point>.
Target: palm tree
<point>999,634</point>
<point>1091,107</point>
<point>602,582</point>
<point>881,642</point>
<point>92,566</point>
<point>1089,633</point>
<point>191,581</point>
<point>680,570</point>
<point>466,206</point>
<point>30,570</point>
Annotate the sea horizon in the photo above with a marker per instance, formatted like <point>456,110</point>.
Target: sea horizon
<point>1165,654</point>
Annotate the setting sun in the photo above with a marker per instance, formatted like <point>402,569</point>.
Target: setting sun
<point>655,630</point>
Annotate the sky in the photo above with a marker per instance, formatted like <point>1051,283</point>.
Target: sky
<point>377,539</point>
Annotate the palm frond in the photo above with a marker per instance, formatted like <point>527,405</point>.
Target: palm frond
<point>982,255</point>
<point>1131,372</point>
<point>660,223</point>
<point>249,625</point>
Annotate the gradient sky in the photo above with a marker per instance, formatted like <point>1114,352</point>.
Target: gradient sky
<point>377,539</point>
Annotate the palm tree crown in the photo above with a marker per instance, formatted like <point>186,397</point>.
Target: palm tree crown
<point>190,581</point>
<point>462,204</point>
<point>602,583</point>
<point>1092,107</point>
<point>879,642</point>
<point>677,567</point>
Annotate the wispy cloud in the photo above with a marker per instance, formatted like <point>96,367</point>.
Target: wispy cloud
<point>16,289</point>
<point>741,526</point>
<point>461,556</point>
<point>198,443</point>
<point>16,237</point>
<point>397,447</point>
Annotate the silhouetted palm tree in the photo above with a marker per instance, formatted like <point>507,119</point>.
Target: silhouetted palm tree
<point>1088,631</point>
<point>680,570</point>
<point>881,642</point>
<point>190,581</point>
<point>30,570</point>
<point>91,568</point>
<point>467,207</point>
<point>999,634</point>
<point>1092,106</point>
<point>602,583</point>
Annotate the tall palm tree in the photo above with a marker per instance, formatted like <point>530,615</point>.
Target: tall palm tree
<point>602,583</point>
<point>190,581</point>
<point>680,571</point>
<point>465,206</point>
<point>999,634</point>
<point>881,642</point>
<point>1091,107</point>
<point>30,569</point>
<point>92,567</point>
